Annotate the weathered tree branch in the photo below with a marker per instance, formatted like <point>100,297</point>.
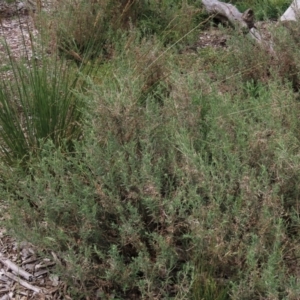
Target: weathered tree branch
<point>292,13</point>
<point>16,269</point>
<point>245,21</point>
<point>226,11</point>
<point>22,282</point>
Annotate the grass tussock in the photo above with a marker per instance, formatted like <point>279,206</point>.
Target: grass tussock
<point>184,181</point>
<point>37,105</point>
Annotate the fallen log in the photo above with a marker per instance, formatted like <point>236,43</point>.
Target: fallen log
<point>228,12</point>
<point>245,21</point>
<point>292,13</point>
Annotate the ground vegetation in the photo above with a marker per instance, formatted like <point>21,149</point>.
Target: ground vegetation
<point>156,151</point>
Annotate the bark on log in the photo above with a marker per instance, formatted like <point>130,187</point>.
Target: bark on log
<point>292,13</point>
<point>226,11</point>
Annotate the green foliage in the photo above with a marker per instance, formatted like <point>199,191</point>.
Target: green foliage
<point>206,283</point>
<point>38,104</point>
<point>264,9</point>
<point>92,29</point>
<point>184,184</point>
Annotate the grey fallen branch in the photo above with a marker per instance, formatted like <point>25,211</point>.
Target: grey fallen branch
<point>16,269</point>
<point>225,11</point>
<point>22,282</point>
<point>255,34</point>
<point>228,12</point>
<point>292,13</point>
<point>244,21</point>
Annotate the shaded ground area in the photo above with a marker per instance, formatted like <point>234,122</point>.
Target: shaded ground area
<point>212,38</point>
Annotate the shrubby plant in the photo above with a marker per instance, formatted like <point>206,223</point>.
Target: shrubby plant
<point>93,29</point>
<point>182,182</point>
